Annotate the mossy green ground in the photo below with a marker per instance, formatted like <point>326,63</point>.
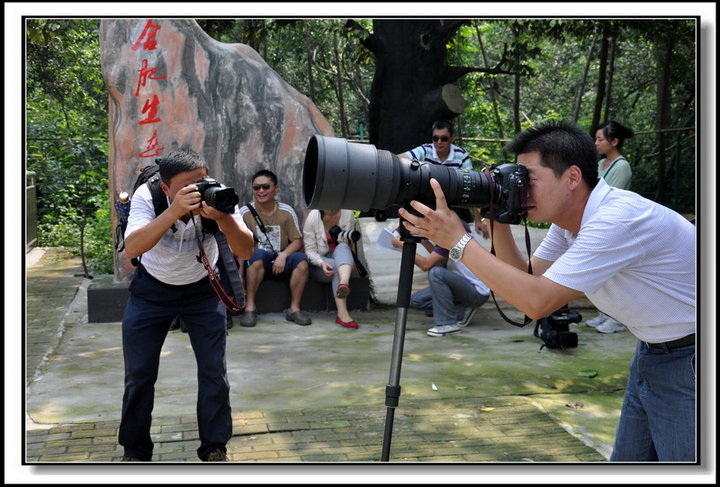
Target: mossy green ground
<point>279,365</point>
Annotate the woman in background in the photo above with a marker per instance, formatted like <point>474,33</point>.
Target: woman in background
<point>331,260</point>
<point>615,170</point>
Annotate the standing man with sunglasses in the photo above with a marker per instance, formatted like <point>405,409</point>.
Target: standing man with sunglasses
<point>278,248</point>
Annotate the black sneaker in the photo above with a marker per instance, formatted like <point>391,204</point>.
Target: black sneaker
<point>130,459</point>
<point>216,455</point>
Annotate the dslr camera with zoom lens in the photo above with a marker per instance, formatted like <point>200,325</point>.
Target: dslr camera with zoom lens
<point>355,176</point>
<point>212,192</point>
<point>554,329</point>
<point>338,234</point>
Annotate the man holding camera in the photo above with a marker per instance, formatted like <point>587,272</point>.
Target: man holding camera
<point>633,258</point>
<point>278,253</point>
<point>170,281</point>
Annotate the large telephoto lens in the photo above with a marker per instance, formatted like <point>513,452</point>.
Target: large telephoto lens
<point>354,176</point>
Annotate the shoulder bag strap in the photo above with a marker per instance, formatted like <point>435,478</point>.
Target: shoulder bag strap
<point>260,224</point>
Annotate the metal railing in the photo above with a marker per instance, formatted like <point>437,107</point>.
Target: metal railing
<point>30,211</point>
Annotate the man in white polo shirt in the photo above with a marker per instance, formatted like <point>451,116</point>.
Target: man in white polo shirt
<point>171,281</point>
<point>633,258</point>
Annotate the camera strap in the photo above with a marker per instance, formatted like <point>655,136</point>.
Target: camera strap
<point>260,225</point>
<point>492,251</point>
<point>362,271</point>
<point>232,303</point>
<point>491,181</point>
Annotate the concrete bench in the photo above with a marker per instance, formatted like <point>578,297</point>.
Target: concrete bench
<point>274,296</point>
<point>107,300</point>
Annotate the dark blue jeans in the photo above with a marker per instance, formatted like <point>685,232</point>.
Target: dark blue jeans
<point>151,307</point>
<point>657,422</point>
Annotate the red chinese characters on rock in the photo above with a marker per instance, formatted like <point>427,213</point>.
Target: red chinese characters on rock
<point>153,148</point>
<point>148,33</point>
<point>145,74</point>
<point>150,108</point>
<point>148,42</point>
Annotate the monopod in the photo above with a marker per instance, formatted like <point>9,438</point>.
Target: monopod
<point>392,390</point>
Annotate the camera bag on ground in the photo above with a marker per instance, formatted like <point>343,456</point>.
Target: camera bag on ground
<point>554,330</point>
<point>229,280</point>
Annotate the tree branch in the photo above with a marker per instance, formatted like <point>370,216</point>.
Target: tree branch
<point>367,39</point>
<point>446,28</point>
<point>453,73</point>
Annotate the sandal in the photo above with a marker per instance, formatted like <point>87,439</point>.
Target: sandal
<point>343,291</point>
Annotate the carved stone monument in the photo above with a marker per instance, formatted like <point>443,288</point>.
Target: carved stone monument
<point>172,85</point>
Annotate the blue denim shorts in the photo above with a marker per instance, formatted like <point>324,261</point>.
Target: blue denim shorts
<point>291,263</point>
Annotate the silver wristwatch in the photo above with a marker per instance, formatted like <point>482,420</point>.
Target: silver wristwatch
<point>457,251</point>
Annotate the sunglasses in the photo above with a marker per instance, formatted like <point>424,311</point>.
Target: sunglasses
<point>258,187</point>
<point>444,138</point>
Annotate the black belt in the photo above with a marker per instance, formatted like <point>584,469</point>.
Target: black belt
<point>680,342</point>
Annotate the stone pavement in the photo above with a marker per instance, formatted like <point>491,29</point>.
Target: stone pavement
<point>316,394</point>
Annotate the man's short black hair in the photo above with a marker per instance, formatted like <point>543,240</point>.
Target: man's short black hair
<point>266,173</point>
<point>560,144</point>
<point>177,161</point>
<point>443,124</point>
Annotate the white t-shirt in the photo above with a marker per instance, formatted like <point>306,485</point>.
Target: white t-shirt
<point>173,260</point>
<point>633,258</point>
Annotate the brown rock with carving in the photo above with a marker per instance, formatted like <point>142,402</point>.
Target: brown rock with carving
<point>172,85</point>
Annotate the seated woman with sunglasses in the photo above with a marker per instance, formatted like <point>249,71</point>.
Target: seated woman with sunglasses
<point>442,150</point>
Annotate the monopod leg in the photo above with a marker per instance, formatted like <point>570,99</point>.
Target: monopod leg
<point>392,390</point>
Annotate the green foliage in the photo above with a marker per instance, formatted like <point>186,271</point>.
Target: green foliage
<point>66,102</point>
<point>67,133</point>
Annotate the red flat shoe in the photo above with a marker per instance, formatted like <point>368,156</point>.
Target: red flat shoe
<point>346,324</point>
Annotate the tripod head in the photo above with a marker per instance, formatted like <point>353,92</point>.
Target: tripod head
<point>405,235</point>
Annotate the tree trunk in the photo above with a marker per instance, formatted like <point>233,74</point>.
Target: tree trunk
<point>610,74</point>
<point>310,62</point>
<point>583,81</point>
<point>412,86</point>
<point>600,92</point>
<point>340,87</point>
<point>662,121</point>
<point>493,96</point>
<point>516,93</point>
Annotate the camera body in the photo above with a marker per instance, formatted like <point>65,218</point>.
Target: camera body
<point>212,192</point>
<point>338,234</point>
<point>554,329</point>
<point>355,176</point>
